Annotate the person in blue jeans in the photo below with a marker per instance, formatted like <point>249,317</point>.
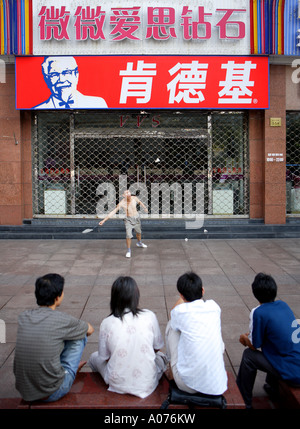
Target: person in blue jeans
<point>272,345</point>
<point>49,344</point>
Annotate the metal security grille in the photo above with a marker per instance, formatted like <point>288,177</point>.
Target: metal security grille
<point>179,163</point>
<point>293,162</point>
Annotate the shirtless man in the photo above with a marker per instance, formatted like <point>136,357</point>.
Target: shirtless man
<point>132,219</point>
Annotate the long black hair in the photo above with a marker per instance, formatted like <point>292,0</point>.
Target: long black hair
<point>125,296</point>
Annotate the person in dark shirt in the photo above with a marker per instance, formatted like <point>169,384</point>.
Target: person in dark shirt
<point>49,344</point>
<point>272,330</point>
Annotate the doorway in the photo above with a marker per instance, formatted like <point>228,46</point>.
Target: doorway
<point>178,162</point>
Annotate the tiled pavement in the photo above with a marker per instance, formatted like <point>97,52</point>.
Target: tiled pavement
<point>227,268</point>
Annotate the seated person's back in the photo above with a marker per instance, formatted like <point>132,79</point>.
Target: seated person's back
<point>194,340</point>
<point>128,356</point>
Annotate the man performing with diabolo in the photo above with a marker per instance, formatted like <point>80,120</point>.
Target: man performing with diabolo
<point>132,219</point>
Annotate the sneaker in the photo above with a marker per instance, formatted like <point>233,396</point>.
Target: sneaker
<point>128,254</point>
<point>141,245</point>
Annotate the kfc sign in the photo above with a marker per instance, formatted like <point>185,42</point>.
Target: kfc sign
<point>152,82</point>
<point>73,27</point>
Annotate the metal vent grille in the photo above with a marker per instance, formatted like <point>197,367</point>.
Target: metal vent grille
<point>180,164</point>
<point>293,162</point>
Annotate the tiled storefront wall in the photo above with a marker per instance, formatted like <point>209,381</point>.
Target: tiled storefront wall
<point>15,158</point>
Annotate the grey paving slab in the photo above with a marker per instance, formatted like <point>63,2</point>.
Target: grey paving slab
<point>227,269</point>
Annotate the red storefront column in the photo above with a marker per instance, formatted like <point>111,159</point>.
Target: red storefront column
<point>275,149</point>
<point>15,156</point>
<point>10,153</point>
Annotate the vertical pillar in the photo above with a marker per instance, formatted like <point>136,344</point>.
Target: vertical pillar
<point>15,156</point>
<point>10,153</point>
<point>256,163</point>
<point>275,149</point>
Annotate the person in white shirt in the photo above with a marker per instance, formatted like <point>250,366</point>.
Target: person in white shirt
<point>129,357</point>
<point>194,340</point>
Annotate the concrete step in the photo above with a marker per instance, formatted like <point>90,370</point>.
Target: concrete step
<point>64,229</point>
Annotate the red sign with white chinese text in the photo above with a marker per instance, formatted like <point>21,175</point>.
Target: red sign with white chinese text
<point>134,82</point>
